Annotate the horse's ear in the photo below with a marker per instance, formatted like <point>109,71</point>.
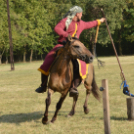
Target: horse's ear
<point>69,37</point>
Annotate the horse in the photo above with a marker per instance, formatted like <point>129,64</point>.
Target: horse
<point>61,76</point>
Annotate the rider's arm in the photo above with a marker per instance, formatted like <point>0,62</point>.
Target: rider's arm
<point>90,24</point>
<point>60,28</point>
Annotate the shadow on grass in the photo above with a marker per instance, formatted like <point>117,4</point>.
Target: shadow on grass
<point>20,117</point>
<point>28,117</point>
<point>118,118</point>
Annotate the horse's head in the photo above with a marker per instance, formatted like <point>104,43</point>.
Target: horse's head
<point>76,49</point>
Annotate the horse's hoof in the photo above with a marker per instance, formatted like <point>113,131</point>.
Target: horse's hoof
<point>86,110</point>
<point>71,114</point>
<point>44,121</point>
<point>68,116</point>
<point>51,121</point>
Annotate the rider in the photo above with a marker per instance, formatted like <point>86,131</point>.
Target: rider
<point>70,24</point>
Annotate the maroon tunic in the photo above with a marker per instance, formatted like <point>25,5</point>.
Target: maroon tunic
<point>60,29</point>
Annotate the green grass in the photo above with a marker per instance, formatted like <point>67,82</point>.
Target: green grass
<point>21,109</point>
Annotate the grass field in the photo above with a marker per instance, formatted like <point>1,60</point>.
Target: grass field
<point>21,109</point>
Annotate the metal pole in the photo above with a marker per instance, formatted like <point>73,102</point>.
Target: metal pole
<point>10,38</point>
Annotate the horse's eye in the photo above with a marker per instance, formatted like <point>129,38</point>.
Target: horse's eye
<point>76,46</point>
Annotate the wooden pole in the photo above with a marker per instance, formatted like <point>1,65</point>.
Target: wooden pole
<point>106,111</point>
<point>10,38</point>
<point>114,48</point>
<point>130,108</point>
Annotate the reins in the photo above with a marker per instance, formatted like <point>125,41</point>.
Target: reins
<point>76,51</point>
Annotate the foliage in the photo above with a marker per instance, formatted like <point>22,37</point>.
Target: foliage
<point>113,14</point>
<point>129,21</point>
<point>4,43</point>
<point>33,21</point>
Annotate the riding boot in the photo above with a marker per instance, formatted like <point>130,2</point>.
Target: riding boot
<point>73,91</point>
<point>76,79</point>
<point>43,86</point>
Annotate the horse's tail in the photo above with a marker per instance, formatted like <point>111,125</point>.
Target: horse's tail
<point>95,89</point>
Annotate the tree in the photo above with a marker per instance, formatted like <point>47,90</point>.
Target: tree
<point>112,12</point>
<point>129,21</point>
<point>92,11</point>
<point>33,23</point>
<point>4,41</point>
<point>30,21</point>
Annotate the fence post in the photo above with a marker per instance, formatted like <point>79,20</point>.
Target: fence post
<point>130,108</point>
<point>106,111</point>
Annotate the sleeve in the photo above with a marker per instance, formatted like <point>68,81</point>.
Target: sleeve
<point>90,24</point>
<point>60,28</point>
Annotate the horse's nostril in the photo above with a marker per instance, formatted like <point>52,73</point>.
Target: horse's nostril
<point>91,58</point>
<point>87,59</point>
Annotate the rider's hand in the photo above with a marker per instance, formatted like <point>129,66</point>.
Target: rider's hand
<point>102,20</point>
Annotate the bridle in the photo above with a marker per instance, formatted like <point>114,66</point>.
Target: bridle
<point>82,57</point>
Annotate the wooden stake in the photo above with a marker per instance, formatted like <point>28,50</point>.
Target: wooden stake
<point>106,111</point>
<point>130,108</point>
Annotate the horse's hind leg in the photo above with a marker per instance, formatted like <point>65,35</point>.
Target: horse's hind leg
<point>48,102</point>
<point>72,112</point>
<point>58,106</point>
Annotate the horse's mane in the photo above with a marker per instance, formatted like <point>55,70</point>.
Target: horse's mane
<point>75,38</point>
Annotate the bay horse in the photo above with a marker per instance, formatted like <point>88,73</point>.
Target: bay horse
<point>61,76</point>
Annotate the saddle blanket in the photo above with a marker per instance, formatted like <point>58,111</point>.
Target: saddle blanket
<point>44,68</point>
<point>83,68</point>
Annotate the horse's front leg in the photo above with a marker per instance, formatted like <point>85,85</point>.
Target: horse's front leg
<point>48,102</point>
<point>88,86</point>
<point>88,91</point>
<point>76,82</point>
<point>58,106</point>
<point>72,112</point>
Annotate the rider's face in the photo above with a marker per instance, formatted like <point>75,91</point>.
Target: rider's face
<point>79,15</point>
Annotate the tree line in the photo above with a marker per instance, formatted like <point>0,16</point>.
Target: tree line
<point>33,22</point>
